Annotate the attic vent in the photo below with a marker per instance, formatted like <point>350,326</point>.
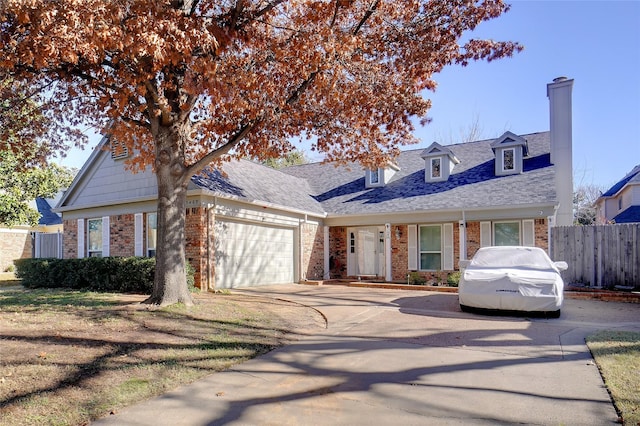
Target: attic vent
<point>118,150</point>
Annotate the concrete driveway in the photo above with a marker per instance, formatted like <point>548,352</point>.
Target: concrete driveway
<point>407,358</point>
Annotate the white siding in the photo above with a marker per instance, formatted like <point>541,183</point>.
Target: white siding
<point>108,181</point>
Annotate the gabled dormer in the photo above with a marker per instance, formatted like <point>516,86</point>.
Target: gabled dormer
<point>439,163</point>
<point>509,150</point>
<point>380,176</point>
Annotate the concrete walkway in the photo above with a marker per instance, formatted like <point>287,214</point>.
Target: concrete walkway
<point>392,357</point>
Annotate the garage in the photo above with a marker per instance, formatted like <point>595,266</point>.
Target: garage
<point>249,254</point>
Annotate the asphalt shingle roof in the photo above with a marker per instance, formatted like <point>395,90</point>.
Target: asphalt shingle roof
<point>630,215</point>
<point>47,217</point>
<point>631,177</point>
<point>322,187</point>
<point>249,181</point>
<point>472,184</point>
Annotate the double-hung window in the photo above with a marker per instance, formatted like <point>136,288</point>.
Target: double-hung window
<point>430,247</point>
<point>506,233</point>
<point>94,237</point>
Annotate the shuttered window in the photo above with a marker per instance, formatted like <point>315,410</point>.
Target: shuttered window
<point>138,234</point>
<point>80,238</point>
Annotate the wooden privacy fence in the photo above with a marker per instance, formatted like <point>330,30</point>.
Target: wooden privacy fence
<point>599,255</point>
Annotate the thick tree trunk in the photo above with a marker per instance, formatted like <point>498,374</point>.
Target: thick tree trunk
<point>170,282</point>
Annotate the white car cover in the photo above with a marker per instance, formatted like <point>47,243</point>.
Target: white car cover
<point>512,278</point>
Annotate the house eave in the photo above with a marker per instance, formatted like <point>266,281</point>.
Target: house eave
<point>539,210</point>
<point>196,193</point>
<point>258,203</point>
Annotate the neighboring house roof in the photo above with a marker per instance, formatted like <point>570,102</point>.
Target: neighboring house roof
<point>632,177</point>
<point>472,184</point>
<point>248,181</point>
<point>630,215</point>
<point>47,216</point>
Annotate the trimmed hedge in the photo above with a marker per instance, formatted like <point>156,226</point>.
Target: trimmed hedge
<point>106,274</point>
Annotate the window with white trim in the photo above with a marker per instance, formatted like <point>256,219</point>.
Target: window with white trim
<point>94,237</point>
<point>506,233</point>
<point>508,159</point>
<point>436,171</point>
<point>374,177</point>
<point>430,247</point>
<point>152,233</point>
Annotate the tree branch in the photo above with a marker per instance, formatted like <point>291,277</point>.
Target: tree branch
<point>366,17</point>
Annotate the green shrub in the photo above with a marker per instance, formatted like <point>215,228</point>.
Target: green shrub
<point>416,279</point>
<point>453,279</point>
<point>106,274</point>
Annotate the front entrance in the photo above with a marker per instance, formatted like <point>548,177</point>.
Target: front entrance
<point>366,251</point>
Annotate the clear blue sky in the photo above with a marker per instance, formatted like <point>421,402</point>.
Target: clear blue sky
<point>596,43</point>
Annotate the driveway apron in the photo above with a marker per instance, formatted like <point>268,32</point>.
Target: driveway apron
<point>406,358</point>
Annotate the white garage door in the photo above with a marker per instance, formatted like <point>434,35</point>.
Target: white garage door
<point>249,255</point>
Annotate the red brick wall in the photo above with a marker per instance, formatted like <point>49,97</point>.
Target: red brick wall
<point>122,235</point>
<point>338,251</point>
<point>312,251</point>
<point>399,253</point>
<point>14,245</point>
<point>196,242</point>
<point>473,238</point>
<point>542,234</point>
<point>70,240</point>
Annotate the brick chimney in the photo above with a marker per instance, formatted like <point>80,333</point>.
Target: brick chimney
<point>559,94</point>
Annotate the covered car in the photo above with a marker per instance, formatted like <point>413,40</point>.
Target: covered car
<point>512,278</point>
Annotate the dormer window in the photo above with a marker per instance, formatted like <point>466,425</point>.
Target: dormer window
<point>436,172</point>
<point>510,150</point>
<point>374,177</point>
<point>380,176</point>
<point>508,159</point>
<point>439,163</point>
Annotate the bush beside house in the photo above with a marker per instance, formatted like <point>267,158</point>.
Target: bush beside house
<point>107,274</point>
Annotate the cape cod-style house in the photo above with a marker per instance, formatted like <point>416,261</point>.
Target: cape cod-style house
<point>253,225</point>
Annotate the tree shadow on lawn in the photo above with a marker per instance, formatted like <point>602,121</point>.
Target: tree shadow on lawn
<point>105,336</point>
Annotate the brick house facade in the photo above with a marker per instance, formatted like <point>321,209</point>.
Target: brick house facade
<point>247,224</point>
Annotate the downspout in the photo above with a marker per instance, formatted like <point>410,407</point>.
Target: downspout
<point>302,276</point>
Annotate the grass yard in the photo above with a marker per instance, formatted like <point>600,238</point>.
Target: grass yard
<point>69,357</point>
<point>617,355</point>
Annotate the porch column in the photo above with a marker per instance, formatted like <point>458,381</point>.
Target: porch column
<point>463,239</point>
<point>387,252</point>
<point>327,272</point>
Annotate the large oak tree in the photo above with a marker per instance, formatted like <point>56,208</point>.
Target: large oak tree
<point>185,84</point>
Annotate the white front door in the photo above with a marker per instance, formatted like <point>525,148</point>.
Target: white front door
<point>365,251</point>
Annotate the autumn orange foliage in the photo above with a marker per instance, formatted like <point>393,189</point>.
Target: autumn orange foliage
<point>185,83</point>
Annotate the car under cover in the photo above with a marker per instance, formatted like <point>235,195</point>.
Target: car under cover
<point>512,278</point>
